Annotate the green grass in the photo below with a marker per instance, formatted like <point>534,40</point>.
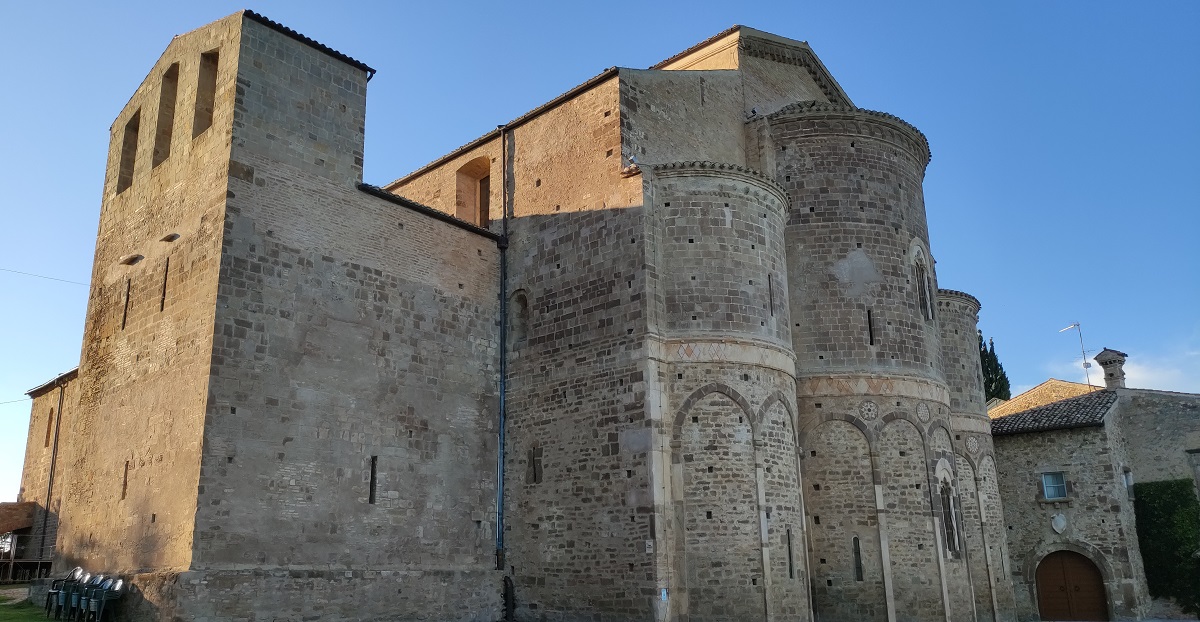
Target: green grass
<point>21,612</point>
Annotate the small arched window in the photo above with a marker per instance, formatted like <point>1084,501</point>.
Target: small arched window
<point>473,192</point>
<point>949,523</point>
<point>923,281</point>
<point>518,323</point>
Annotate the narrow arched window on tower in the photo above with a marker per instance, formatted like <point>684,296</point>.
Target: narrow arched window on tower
<point>924,284</point>
<point>949,524</point>
<point>518,323</point>
<point>473,190</point>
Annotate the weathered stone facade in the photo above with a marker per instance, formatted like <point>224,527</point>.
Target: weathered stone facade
<point>592,366</point>
<point>1101,441</point>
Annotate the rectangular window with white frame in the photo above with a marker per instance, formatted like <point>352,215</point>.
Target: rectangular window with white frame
<point>1054,485</point>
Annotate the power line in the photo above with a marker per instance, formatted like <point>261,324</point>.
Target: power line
<point>26,399</point>
<point>40,276</point>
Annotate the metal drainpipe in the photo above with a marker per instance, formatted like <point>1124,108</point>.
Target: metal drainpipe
<point>62,387</point>
<point>503,244</point>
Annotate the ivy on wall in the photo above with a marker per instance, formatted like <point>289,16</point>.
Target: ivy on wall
<point>1168,528</point>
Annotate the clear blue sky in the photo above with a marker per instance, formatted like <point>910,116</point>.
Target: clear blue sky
<point>1065,143</point>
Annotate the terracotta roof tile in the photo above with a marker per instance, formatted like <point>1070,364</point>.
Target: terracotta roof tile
<point>1075,412</point>
<point>1049,391</point>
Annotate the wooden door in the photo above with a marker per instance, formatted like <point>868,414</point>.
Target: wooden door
<point>1070,587</point>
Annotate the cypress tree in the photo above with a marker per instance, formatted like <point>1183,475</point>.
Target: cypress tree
<point>995,381</point>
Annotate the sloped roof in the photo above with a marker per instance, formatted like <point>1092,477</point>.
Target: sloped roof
<point>14,516</point>
<point>1075,412</point>
<point>1049,391</point>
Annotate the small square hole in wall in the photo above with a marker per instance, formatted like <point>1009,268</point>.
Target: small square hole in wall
<point>813,453</point>
<point>694,317</point>
<point>710,469</point>
<point>410,434</point>
<point>753,581</point>
<point>829,582</point>
<point>903,453</point>
<point>557,208</point>
<point>920,547</point>
<point>679,376</point>
<point>897,403</point>
<point>812,209</point>
<point>816,486</point>
<point>233,410</point>
<point>628,473</point>
<point>460,285</point>
<point>693,278</point>
<point>816,520</point>
<point>858,245</point>
<point>818,404</point>
<point>739,420</point>
<point>607,112</point>
<point>708,514</point>
<point>746,377</point>
<point>787,177</point>
<point>752,281</point>
<point>695,419</point>
<point>537,183</point>
<point>823,560</point>
<point>153,517</point>
<point>957,437</point>
<point>691,240</point>
<point>400,224</point>
<point>822,357</point>
<point>752,248</point>
<point>608,154</point>
<point>229,459</point>
<point>667,204</point>
<point>726,205</point>
<point>917,486</point>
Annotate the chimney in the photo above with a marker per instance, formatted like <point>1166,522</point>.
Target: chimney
<point>1113,362</point>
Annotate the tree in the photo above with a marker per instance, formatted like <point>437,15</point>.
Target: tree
<point>995,381</point>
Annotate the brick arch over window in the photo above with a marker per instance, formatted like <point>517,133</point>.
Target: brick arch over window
<point>715,387</point>
<point>921,278</point>
<point>779,398</point>
<point>804,435</point>
<point>473,190</point>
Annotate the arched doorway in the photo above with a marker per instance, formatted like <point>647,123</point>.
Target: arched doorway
<point>1070,587</point>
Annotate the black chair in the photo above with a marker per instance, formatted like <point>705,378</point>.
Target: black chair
<point>76,600</point>
<point>56,588</point>
<point>111,591</point>
<point>67,592</point>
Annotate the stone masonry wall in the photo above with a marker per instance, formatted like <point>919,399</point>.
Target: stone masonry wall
<point>958,318</point>
<point>578,503</point>
<point>1098,514</point>
<point>667,116</point>
<point>1161,427</point>
<point>353,401</point>
<point>132,465</point>
<point>50,410</point>
<point>856,224</point>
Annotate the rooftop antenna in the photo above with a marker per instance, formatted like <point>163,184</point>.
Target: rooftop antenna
<point>1082,352</point>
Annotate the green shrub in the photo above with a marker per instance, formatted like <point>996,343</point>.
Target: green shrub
<point>1168,527</point>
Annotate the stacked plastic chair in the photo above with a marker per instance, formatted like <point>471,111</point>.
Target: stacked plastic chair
<point>89,596</point>
<point>76,600</point>
<point>110,591</point>
<point>69,591</point>
<point>56,590</point>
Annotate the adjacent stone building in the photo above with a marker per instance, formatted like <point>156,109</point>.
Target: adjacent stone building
<point>668,347</point>
<point>1067,471</point>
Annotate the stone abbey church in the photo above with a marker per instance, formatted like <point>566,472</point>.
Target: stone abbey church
<point>668,347</point>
